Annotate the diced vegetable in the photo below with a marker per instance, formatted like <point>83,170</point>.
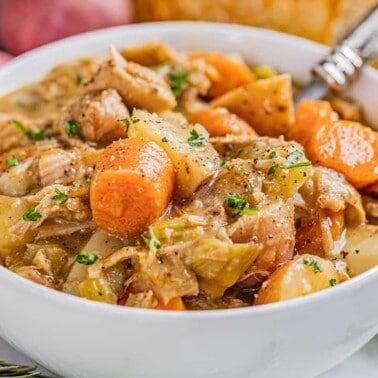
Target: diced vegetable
<point>176,304</point>
<point>348,147</point>
<point>193,165</point>
<point>220,122</point>
<point>303,275</point>
<point>361,249</point>
<point>266,104</point>
<point>49,257</point>
<point>285,164</point>
<point>179,229</point>
<point>220,264</point>
<point>11,211</point>
<point>231,72</point>
<point>131,187</point>
<point>97,289</point>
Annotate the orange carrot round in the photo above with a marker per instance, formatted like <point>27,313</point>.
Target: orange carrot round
<point>131,187</point>
<point>309,116</point>
<point>345,146</point>
<point>220,122</point>
<point>231,73</point>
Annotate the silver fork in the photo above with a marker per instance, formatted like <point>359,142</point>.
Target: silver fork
<point>341,65</point>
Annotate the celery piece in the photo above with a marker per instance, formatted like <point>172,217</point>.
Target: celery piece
<point>97,289</point>
<point>220,264</point>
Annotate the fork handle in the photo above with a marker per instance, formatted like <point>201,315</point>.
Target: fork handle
<point>345,60</point>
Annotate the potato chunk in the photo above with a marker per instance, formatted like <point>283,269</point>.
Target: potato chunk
<point>304,275</point>
<point>265,104</point>
<point>194,163</point>
<point>360,250</point>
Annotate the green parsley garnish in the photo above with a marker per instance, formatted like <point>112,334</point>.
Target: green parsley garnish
<point>196,139</point>
<point>151,239</point>
<point>239,204</point>
<point>292,162</point>
<point>31,215</point>
<point>272,170</point>
<point>178,82</point>
<point>79,78</point>
<point>332,282</point>
<point>126,122</point>
<point>272,155</point>
<point>59,196</point>
<point>72,127</point>
<point>86,258</point>
<point>311,262</point>
<point>300,164</point>
<point>294,157</point>
<point>32,135</point>
<point>12,162</point>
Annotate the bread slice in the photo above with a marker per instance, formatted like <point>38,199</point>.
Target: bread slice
<point>324,21</point>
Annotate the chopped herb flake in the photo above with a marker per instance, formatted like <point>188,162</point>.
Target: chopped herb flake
<point>178,82</point>
<point>12,162</point>
<point>311,262</point>
<point>196,139</point>
<point>86,258</point>
<point>300,164</point>
<point>126,122</point>
<point>272,170</point>
<point>151,240</point>
<point>72,127</point>
<point>59,196</point>
<point>239,204</point>
<point>31,215</point>
<point>294,157</point>
<point>273,155</point>
<point>79,78</point>
<point>332,282</point>
<point>32,135</point>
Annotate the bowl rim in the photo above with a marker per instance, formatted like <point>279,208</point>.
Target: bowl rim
<point>70,300</point>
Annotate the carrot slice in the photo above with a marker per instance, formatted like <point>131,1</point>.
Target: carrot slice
<point>345,146</point>
<point>309,117</point>
<point>174,304</point>
<point>220,122</point>
<point>132,185</point>
<point>231,73</point>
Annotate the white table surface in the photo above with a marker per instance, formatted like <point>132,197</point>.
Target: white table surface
<point>363,364</point>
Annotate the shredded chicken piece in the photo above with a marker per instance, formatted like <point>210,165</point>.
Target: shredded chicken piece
<point>33,273</point>
<point>69,166</point>
<point>75,209</point>
<point>66,79</point>
<point>10,135</point>
<point>138,86</point>
<point>273,227</point>
<point>328,189</point>
<point>99,115</point>
<point>145,299</point>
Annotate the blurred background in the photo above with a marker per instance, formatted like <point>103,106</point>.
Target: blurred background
<point>25,24</point>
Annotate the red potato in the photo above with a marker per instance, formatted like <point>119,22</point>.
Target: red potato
<point>25,24</point>
<point>4,57</point>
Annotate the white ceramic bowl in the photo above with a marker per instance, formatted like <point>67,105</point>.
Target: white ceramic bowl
<point>298,338</point>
